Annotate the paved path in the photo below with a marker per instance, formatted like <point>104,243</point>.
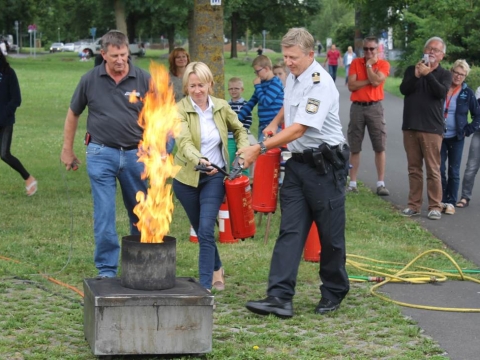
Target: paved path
<point>457,333</point>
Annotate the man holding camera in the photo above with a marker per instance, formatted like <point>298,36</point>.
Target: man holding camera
<point>425,86</point>
<point>365,80</point>
<point>313,189</point>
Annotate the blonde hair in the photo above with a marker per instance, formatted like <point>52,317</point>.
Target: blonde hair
<point>202,71</point>
<point>236,80</point>
<point>462,64</point>
<point>262,61</point>
<point>299,37</point>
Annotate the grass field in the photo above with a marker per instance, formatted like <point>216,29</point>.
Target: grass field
<point>51,233</point>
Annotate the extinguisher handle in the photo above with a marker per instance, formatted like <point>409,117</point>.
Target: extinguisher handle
<point>269,134</point>
<point>236,168</point>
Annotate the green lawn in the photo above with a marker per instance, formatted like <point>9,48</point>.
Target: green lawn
<point>51,233</point>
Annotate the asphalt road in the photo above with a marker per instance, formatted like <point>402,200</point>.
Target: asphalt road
<point>457,333</point>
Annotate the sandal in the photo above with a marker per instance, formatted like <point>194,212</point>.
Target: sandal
<point>463,203</point>
<point>32,188</point>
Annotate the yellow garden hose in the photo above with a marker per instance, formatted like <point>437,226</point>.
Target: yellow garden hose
<point>384,275</point>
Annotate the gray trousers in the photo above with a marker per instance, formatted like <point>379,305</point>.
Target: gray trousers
<point>473,164</point>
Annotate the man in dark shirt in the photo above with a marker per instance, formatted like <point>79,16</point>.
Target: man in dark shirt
<point>425,87</point>
<point>113,134</point>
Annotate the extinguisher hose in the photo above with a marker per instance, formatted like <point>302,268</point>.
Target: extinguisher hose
<point>235,172</point>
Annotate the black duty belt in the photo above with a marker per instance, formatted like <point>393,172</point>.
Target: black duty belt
<point>366,103</point>
<point>298,157</point>
<point>123,148</point>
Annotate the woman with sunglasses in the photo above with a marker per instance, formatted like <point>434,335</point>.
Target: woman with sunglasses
<point>459,101</point>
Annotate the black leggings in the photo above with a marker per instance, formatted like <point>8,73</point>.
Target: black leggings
<point>5,154</point>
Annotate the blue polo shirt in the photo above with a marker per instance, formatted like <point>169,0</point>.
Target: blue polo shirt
<point>112,120</point>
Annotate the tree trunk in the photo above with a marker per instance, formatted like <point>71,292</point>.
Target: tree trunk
<point>131,21</point>
<point>191,34</point>
<point>234,35</point>
<point>208,31</point>
<point>358,32</point>
<point>171,37</point>
<point>120,16</point>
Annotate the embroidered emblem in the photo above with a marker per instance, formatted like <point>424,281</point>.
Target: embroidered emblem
<point>312,106</point>
<point>316,77</point>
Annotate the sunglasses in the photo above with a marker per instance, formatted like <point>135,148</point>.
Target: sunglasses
<point>369,48</point>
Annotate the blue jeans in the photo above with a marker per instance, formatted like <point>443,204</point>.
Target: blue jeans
<point>170,145</point>
<point>473,164</point>
<point>202,204</point>
<point>332,70</point>
<point>262,127</point>
<point>347,69</point>
<point>452,150</point>
<point>104,166</point>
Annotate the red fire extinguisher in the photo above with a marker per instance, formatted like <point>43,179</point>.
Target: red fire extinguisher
<point>239,198</point>
<point>265,181</point>
<point>312,248</point>
<point>224,226</point>
<point>193,235</point>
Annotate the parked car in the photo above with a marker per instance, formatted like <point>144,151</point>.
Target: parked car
<point>69,47</point>
<point>56,47</point>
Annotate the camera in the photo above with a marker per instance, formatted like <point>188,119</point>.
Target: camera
<point>426,59</point>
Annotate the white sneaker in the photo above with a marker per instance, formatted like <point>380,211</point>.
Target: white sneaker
<point>434,215</point>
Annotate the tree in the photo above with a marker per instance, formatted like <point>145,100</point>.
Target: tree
<point>208,30</point>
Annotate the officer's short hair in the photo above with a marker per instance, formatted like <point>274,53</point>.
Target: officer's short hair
<point>262,61</point>
<point>299,37</point>
<point>202,71</point>
<point>114,38</point>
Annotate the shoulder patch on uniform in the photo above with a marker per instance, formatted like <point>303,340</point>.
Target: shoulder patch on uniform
<point>316,77</point>
<point>312,106</point>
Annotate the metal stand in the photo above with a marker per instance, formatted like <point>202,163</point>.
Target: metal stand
<point>267,229</point>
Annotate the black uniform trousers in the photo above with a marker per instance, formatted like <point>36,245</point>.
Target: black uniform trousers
<point>307,196</point>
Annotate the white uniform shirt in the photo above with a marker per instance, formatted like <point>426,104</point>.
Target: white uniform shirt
<point>210,143</point>
<point>314,105</point>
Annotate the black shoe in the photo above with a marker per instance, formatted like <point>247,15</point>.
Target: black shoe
<point>279,307</point>
<point>325,306</point>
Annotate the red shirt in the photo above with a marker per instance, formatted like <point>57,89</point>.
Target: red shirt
<point>332,56</point>
<point>368,93</point>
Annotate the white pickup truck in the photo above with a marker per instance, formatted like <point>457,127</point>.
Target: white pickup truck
<point>94,48</point>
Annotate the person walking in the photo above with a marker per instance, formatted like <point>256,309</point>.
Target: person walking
<point>333,55</point>
<point>112,139</point>
<point>203,140</point>
<point>348,57</point>
<point>425,86</point>
<point>313,189</point>
<point>10,100</point>
<point>365,81</point>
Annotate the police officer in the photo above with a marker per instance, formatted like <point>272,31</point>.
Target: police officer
<point>313,189</point>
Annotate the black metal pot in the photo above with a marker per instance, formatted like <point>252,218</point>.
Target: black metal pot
<point>148,266</point>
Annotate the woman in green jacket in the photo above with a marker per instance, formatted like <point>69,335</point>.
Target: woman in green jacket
<point>203,139</point>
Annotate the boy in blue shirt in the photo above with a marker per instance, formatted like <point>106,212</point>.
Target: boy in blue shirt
<point>268,95</point>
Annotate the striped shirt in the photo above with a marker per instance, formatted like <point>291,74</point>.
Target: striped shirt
<point>236,106</point>
<point>269,97</point>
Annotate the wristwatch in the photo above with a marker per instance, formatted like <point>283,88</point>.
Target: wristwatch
<point>369,66</point>
<point>263,148</point>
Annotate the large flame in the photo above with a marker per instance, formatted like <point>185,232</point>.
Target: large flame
<point>159,119</point>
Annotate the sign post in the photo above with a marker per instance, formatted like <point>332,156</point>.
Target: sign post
<point>16,31</point>
<point>93,31</point>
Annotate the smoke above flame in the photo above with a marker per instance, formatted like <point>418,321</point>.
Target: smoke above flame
<point>159,119</point>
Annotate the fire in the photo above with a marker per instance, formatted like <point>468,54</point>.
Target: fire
<point>158,119</point>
